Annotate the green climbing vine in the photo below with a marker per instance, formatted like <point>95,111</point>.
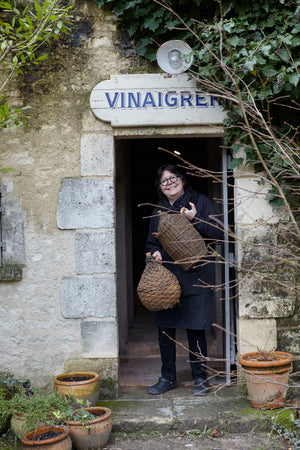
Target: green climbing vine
<point>247,53</point>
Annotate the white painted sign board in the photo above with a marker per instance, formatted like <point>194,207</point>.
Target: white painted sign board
<point>154,99</point>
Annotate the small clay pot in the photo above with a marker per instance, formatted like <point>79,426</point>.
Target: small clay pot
<point>96,434</point>
<point>83,389</point>
<point>267,378</point>
<point>60,442</point>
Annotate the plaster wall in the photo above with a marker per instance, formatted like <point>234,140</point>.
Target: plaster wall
<point>60,199</point>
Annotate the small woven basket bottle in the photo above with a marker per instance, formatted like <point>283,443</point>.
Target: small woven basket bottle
<point>180,239</point>
<point>158,288</point>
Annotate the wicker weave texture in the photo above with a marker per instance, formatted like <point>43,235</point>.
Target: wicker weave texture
<point>180,239</point>
<point>158,288</point>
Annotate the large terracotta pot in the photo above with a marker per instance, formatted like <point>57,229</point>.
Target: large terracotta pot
<point>96,434</point>
<point>84,390</point>
<point>61,442</point>
<point>267,377</point>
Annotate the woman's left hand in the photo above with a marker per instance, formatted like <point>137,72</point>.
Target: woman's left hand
<point>189,213</point>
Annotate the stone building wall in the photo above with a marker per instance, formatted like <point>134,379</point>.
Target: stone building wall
<point>60,190</point>
<point>268,311</point>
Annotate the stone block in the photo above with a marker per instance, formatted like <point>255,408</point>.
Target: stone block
<point>83,297</point>
<point>97,154</point>
<point>85,203</point>
<point>95,252</point>
<point>13,234</point>
<point>267,297</point>
<point>254,335</point>
<point>99,338</point>
<point>257,248</point>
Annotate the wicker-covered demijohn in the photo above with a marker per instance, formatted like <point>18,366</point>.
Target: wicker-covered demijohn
<point>158,288</point>
<point>180,239</point>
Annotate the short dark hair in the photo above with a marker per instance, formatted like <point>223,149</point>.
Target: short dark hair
<point>173,169</point>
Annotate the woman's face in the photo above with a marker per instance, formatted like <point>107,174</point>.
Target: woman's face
<point>172,186</point>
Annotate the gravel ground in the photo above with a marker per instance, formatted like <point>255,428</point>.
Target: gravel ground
<point>196,440</point>
<point>175,441</point>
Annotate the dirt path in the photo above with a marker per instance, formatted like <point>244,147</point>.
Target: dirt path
<point>175,441</point>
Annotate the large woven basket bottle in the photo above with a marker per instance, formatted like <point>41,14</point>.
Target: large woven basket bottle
<point>158,288</point>
<point>180,239</point>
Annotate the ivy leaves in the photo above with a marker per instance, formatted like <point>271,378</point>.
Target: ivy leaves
<point>247,53</point>
<point>23,36</point>
<point>150,23</point>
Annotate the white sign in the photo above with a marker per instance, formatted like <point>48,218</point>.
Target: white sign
<point>154,99</point>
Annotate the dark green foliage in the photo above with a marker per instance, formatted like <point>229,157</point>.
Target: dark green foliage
<point>150,23</point>
<point>48,410</point>
<point>11,385</point>
<point>40,410</point>
<point>291,435</point>
<point>246,53</point>
<point>25,35</point>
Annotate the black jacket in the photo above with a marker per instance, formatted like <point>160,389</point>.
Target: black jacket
<point>195,310</point>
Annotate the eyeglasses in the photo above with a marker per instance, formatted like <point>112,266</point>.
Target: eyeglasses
<point>172,179</point>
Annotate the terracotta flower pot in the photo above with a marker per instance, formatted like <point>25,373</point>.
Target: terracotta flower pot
<point>267,376</point>
<point>87,389</point>
<point>61,442</point>
<point>96,434</point>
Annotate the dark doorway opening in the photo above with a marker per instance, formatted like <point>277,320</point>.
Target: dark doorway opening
<point>136,163</point>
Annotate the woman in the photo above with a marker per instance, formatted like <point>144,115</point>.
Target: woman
<point>195,310</point>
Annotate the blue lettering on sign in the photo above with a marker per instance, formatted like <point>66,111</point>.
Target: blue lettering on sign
<point>170,101</point>
<point>112,103</point>
<point>201,100</point>
<point>186,99</point>
<point>149,100</point>
<point>136,100</point>
<point>162,99</point>
<point>122,100</point>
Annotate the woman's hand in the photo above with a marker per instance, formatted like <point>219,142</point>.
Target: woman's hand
<point>157,256</point>
<point>189,213</point>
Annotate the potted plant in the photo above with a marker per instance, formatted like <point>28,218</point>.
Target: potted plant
<point>31,413</point>
<point>267,377</point>
<point>48,438</point>
<point>10,386</point>
<point>89,426</point>
<point>79,385</point>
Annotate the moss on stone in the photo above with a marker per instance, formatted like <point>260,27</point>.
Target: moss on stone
<point>115,404</point>
<point>109,388</point>
<point>285,418</point>
<point>11,272</point>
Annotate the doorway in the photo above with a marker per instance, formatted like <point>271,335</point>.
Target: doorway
<point>136,163</point>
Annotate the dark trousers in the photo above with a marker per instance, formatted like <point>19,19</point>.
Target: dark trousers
<point>196,340</point>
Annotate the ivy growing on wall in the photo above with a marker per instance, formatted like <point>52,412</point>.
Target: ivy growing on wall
<point>247,53</point>
<point>151,24</point>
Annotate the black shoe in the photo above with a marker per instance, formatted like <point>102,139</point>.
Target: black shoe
<point>201,386</point>
<point>162,386</point>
